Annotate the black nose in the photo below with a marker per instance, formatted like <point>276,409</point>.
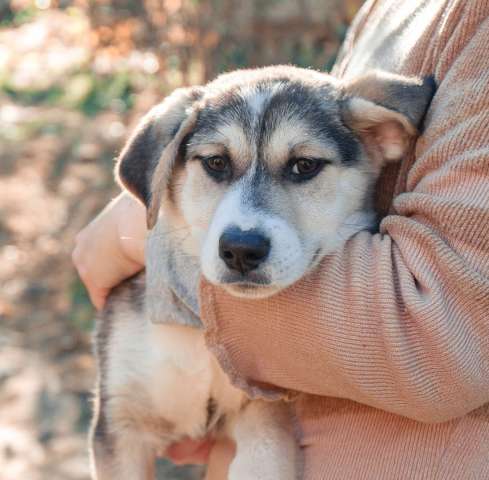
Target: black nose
<point>243,250</point>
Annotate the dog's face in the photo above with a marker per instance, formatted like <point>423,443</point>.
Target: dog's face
<point>270,176</point>
<point>266,171</point>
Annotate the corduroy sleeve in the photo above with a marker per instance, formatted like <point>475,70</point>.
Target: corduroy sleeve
<point>397,320</point>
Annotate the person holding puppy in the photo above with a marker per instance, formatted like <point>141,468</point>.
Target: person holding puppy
<point>389,337</point>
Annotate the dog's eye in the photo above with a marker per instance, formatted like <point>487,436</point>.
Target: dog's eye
<point>300,169</point>
<point>305,166</point>
<point>218,166</point>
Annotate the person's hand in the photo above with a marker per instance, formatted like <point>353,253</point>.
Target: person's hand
<point>111,247</point>
<point>189,451</point>
<point>216,454</point>
<point>220,459</point>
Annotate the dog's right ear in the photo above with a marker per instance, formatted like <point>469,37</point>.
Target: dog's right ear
<point>386,111</point>
<point>162,128</point>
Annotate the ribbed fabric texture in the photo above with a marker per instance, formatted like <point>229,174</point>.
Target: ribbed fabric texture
<point>389,338</point>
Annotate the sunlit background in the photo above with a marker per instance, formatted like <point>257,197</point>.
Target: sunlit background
<point>74,78</point>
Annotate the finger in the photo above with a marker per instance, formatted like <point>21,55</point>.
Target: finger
<point>220,458</point>
<point>76,258</point>
<point>190,451</point>
<point>98,296</point>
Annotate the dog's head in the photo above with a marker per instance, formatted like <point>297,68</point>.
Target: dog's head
<point>263,171</point>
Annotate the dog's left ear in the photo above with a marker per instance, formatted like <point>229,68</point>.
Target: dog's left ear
<point>386,111</point>
<point>147,161</point>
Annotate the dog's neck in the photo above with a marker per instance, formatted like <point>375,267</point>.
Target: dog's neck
<point>172,279</point>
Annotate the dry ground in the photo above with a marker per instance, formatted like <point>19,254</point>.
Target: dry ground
<point>55,174</point>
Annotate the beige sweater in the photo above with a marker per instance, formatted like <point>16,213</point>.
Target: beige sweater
<point>389,338</point>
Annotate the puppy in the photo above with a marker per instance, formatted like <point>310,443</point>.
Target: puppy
<point>250,180</point>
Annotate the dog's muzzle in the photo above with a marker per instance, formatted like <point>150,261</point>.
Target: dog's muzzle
<point>243,251</point>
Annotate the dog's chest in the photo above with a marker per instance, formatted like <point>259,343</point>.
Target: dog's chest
<point>178,378</point>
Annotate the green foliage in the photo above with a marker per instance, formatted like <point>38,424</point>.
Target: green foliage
<point>84,91</point>
<point>236,56</point>
<point>28,96</point>
<point>104,92</point>
<point>13,18</point>
<point>82,312</point>
<point>85,413</point>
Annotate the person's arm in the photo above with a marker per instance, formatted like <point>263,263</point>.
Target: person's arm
<point>111,247</point>
<point>397,320</point>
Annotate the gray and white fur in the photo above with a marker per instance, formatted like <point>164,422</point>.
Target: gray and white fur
<point>250,180</point>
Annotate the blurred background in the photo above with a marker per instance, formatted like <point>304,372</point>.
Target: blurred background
<point>74,78</point>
